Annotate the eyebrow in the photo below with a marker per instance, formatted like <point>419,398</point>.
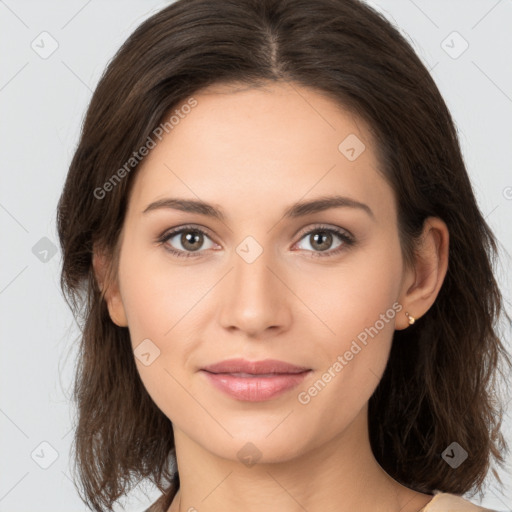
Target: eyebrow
<point>298,209</point>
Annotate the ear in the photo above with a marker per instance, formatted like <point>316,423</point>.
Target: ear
<point>109,288</point>
<point>422,283</point>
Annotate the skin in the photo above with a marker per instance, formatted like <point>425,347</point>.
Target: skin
<point>253,153</point>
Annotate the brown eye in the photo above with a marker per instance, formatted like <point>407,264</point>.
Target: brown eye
<point>321,239</point>
<point>185,241</point>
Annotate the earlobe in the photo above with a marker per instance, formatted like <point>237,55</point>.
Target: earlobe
<point>109,288</point>
<point>422,287</point>
<point>116,310</point>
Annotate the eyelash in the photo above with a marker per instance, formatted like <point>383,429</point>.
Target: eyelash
<point>348,241</point>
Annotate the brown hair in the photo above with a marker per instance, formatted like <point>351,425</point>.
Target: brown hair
<point>441,379</point>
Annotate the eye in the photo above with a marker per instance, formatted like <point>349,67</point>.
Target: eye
<point>321,238</point>
<point>191,240</point>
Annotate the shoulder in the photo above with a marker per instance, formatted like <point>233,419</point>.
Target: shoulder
<point>446,502</point>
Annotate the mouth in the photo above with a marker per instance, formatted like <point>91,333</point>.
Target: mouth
<point>252,375</point>
<point>266,367</point>
<point>254,381</point>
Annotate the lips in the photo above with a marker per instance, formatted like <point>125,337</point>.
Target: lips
<point>254,381</point>
<point>267,367</point>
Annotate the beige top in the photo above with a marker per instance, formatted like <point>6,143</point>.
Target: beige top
<point>441,502</point>
<point>446,502</point>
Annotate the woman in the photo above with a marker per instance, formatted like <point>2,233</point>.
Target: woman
<point>225,355</point>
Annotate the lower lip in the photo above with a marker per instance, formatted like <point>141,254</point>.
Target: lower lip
<point>255,389</point>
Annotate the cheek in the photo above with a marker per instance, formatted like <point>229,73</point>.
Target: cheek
<point>352,296</point>
<point>358,304</point>
<point>156,293</point>
<point>161,302</point>
<point>354,364</point>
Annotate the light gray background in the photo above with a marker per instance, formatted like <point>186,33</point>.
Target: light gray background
<point>42,102</point>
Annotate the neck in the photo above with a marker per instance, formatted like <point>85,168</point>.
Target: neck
<point>341,475</point>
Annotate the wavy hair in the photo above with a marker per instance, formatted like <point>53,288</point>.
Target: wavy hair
<point>440,384</point>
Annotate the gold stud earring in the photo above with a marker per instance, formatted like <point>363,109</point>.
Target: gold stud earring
<point>411,318</point>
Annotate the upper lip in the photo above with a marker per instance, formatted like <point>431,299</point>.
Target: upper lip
<point>254,367</point>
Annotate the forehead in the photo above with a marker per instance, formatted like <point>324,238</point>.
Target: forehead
<point>272,143</point>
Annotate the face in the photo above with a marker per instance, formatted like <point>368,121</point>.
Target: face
<point>319,288</point>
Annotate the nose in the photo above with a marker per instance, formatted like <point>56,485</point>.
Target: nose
<point>255,298</point>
